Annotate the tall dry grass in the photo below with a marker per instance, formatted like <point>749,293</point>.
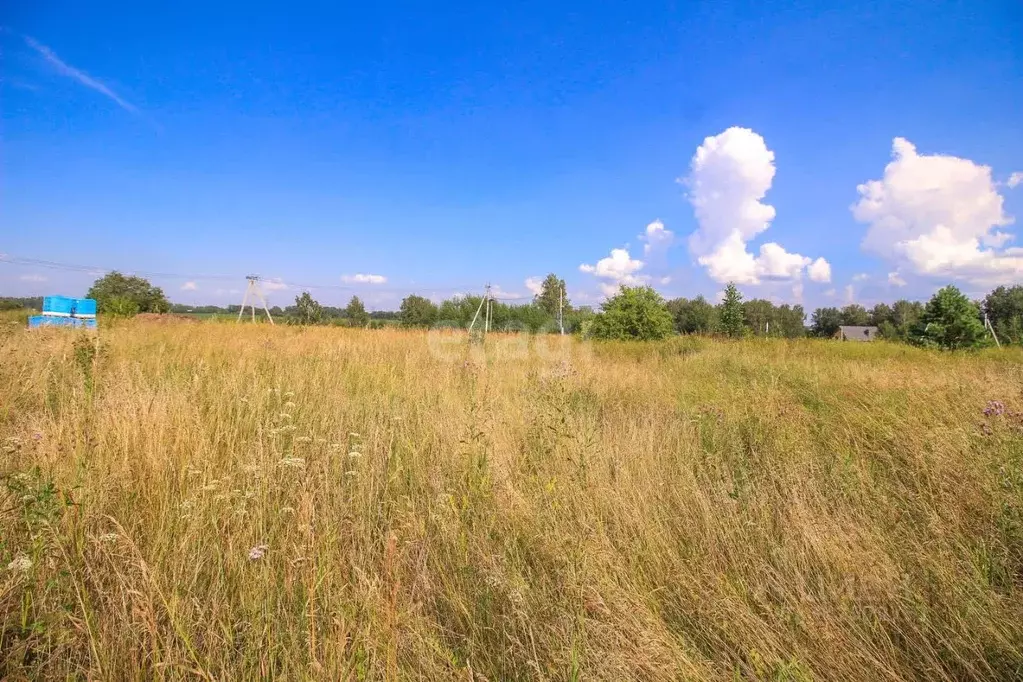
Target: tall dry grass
<point>235,502</point>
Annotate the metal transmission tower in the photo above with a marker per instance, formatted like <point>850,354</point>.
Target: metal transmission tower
<point>256,292</point>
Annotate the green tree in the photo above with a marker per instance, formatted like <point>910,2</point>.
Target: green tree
<point>633,313</point>
<point>307,309</point>
<point>696,316</point>
<point>881,314</point>
<point>825,322</point>
<point>951,321</point>
<point>577,318</point>
<point>356,313</point>
<point>552,293</point>
<point>758,315</point>
<point>789,321</point>
<point>905,315</point>
<point>855,315</point>
<point>146,297</point>
<point>1004,308</point>
<point>121,306</point>
<point>730,315</point>
<point>417,311</point>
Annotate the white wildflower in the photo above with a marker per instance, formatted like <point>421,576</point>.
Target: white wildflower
<point>289,405</point>
<point>21,564</point>
<point>285,416</point>
<point>109,537</point>
<point>289,394</point>
<point>287,510</point>
<point>355,455</point>
<point>304,439</point>
<point>293,462</point>
<point>354,435</point>
<point>257,552</point>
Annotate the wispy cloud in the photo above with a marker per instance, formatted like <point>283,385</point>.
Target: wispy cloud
<point>85,79</point>
<point>361,278</point>
<point>189,286</point>
<point>274,284</point>
<point>32,278</point>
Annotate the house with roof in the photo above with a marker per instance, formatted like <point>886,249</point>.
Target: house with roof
<point>852,333</point>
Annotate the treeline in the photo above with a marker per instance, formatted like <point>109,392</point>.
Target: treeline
<point>329,314</point>
<point>949,319</point>
<point>760,317</point>
<point>16,303</point>
<point>1003,307</point>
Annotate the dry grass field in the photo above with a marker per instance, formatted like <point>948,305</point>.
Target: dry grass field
<point>236,502</point>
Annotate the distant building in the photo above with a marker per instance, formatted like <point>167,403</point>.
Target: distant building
<point>856,333</point>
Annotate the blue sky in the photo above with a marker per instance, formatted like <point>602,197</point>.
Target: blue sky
<point>442,147</point>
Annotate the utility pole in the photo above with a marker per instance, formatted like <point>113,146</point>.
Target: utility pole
<point>561,307</point>
<point>485,302</point>
<point>256,292</point>
<point>987,323</point>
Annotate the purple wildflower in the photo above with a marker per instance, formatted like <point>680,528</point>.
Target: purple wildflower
<point>994,408</point>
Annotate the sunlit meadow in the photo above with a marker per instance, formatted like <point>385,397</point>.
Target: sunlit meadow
<point>233,502</point>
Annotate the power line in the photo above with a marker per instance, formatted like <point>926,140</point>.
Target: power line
<point>96,270</point>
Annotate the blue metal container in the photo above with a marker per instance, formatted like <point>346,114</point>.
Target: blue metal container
<point>60,306</point>
<point>84,322</point>
<point>37,321</point>
<point>84,307</point>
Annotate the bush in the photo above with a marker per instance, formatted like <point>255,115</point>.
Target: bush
<point>121,306</point>
<point>635,313</point>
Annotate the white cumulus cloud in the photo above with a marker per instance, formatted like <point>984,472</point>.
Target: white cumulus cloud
<point>535,285</point>
<point>189,286</point>
<point>729,176</point>
<point>895,279</point>
<point>617,269</point>
<point>657,239</point>
<point>819,271</point>
<point>1015,180</point>
<point>937,215</point>
<point>360,278</point>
